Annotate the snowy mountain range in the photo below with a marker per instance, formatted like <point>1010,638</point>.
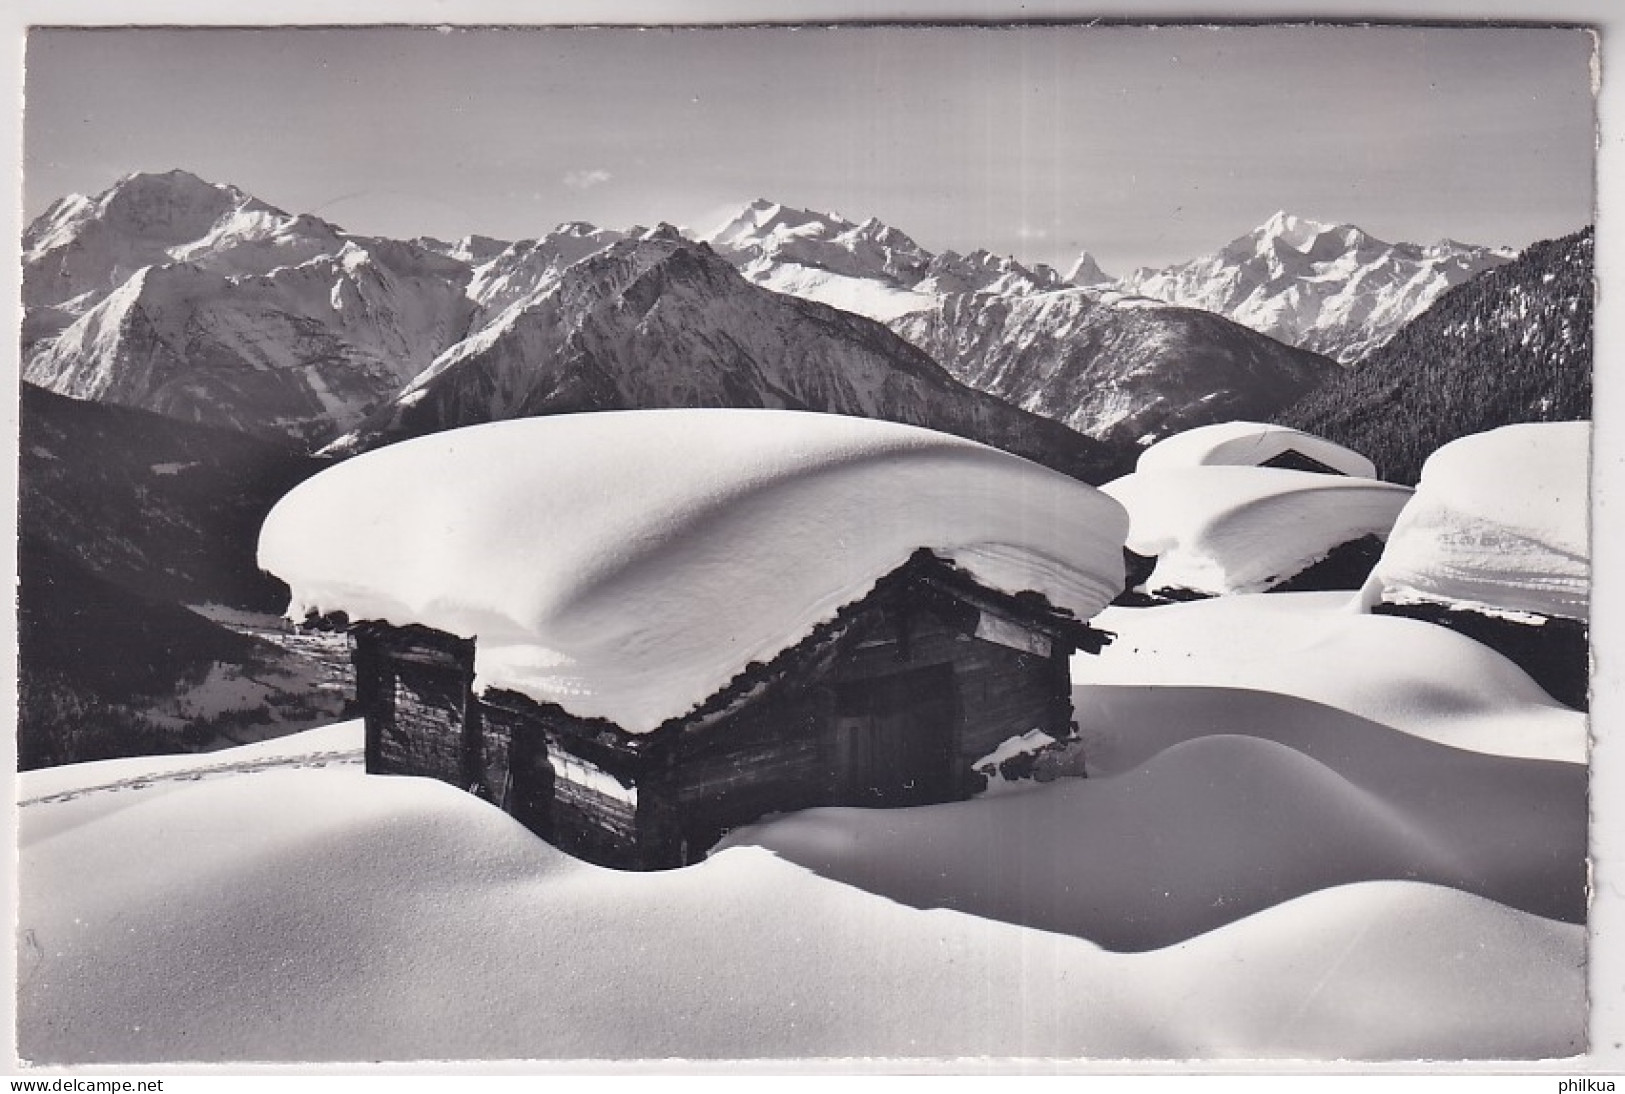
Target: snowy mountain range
<point>1107,365</point>
<point>1331,288</point>
<point>1514,345</point>
<point>661,321</point>
<point>869,268</point>
<point>171,294</point>
<point>198,301</point>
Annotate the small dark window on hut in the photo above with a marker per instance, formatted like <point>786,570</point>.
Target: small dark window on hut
<point>1293,460</point>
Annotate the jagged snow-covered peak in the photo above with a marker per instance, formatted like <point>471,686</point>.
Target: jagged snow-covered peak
<point>735,532</point>
<point>1086,272</point>
<point>472,249</point>
<point>763,224</point>
<point>530,266</point>
<point>83,248</point>
<point>870,267</point>
<point>1332,288</point>
<point>166,210</point>
<point>765,229</point>
<point>1294,231</point>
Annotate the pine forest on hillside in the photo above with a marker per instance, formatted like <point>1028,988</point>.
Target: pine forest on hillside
<point>1513,345</point>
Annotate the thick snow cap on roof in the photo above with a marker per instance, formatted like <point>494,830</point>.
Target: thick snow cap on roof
<point>1225,530</point>
<point>1499,523</point>
<point>627,565</point>
<point>1249,444</point>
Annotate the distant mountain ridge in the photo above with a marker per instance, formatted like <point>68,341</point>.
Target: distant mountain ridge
<point>1331,288</point>
<point>1116,368</point>
<point>661,321</point>
<point>82,248</point>
<point>196,300</point>
<point>869,268</point>
<point>1513,345</point>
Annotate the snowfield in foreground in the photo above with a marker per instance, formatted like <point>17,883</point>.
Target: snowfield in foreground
<point>1356,863</point>
<point>734,532</point>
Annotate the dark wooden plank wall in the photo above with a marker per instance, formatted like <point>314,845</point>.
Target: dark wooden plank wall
<point>416,699</point>
<point>776,755</point>
<point>771,757</point>
<point>1002,692</point>
<point>495,746</point>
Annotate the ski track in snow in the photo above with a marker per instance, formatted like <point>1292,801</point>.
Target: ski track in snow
<point>335,757</point>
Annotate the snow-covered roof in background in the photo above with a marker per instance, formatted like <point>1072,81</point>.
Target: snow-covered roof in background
<point>1227,530</point>
<point>627,565</point>
<point>1499,523</point>
<point>1250,443</point>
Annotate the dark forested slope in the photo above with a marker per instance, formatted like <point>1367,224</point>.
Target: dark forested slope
<point>1512,345</point>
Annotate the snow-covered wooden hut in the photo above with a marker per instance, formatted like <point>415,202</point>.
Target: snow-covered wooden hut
<point>1240,507</point>
<point>1214,530</point>
<point>1255,444</point>
<point>635,631</point>
<point>1495,544</point>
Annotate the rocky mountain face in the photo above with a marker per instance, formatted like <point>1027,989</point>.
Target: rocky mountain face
<point>660,321</point>
<point>82,248</point>
<point>869,268</point>
<point>1113,366</point>
<point>197,301</point>
<point>1330,288</point>
<point>1087,274</point>
<point>1512,345</point>
<point>173,295</point>
<point>1122,374</point>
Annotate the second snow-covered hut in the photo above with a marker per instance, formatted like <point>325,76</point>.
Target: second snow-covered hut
<point>1255,444</point>
<point>1496,545</point>
<point>634,631</point>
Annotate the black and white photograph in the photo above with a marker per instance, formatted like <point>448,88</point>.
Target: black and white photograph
<point>1038,541</point>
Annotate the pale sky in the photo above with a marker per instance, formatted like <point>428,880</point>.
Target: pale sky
<point>1143,145</point>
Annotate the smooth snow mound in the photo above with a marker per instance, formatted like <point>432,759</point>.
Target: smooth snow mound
<point>627,565</point>
<point>1414,677</point>
<point>1228,530</point>
<point>1499,523</point>
<point>1216,828</point>
<point>318,913</point>
<point>1249,444</point>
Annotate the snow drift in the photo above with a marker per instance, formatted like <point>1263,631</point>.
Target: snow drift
<point>1226,530</point>
<point>1411,676</point>
<point>330,915</point>
<point>627,565</point>
<point>1249,444</point>
<point>1499,524</point>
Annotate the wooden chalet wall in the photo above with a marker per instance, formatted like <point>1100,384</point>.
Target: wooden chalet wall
<point>592,797</point>
<point>414,687</point>
<point>889,704</point>
<point>783,751</point>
